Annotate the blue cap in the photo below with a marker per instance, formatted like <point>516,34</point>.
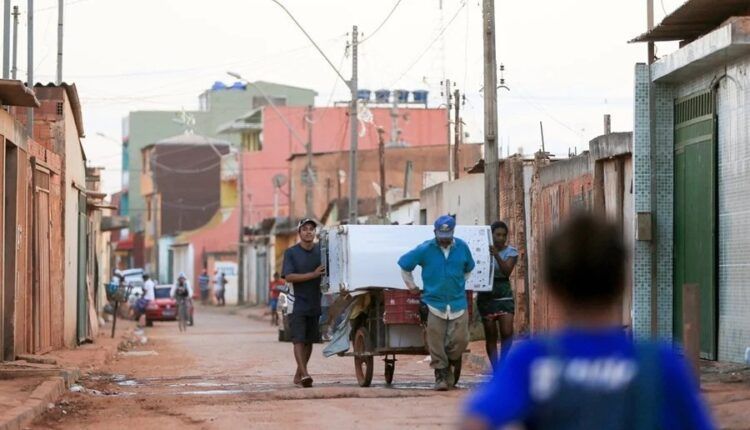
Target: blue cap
<point>444,227</point>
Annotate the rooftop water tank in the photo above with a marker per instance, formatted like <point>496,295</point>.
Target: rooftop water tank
<point>218,85</point>
<point>402,96</point>
<point>238,86</point>
<point>382,96</point>
<point>364,95</point>
<point>420,96</point>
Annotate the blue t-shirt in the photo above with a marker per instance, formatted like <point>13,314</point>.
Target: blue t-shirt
<point>306,294</point>
<point>597,363</point>
<point>443,278</point>
<point>505,254</point>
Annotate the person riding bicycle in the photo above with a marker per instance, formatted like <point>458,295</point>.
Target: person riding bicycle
<point>182,292</point>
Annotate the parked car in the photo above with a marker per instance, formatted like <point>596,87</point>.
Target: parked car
<point>164,308</point>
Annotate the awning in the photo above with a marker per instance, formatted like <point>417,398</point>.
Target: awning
<point>694,19</point>
<point>15,93</point>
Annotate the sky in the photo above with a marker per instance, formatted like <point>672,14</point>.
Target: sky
<point>567,62</point>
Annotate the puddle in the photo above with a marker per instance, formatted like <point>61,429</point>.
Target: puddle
<point>128,383</point>
<point>204,384</point>
<point>212,392</point>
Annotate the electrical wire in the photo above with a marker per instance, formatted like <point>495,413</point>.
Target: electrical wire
<point>429,46</point>
<point>395,6</point>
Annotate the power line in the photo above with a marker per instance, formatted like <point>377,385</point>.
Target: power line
<point>427,49</point>
<point>395,6</point>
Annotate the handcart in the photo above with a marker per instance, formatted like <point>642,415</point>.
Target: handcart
<point>390,324</point>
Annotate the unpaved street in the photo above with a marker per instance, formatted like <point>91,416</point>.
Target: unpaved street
<point>230,371</point>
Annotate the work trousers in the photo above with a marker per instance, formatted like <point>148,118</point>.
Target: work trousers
<point>446,339</point>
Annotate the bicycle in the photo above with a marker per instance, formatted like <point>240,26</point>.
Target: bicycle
<point>182,313</point>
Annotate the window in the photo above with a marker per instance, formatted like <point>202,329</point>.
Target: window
<point>252,141</point>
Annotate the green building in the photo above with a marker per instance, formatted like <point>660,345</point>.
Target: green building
<point>219,105</point>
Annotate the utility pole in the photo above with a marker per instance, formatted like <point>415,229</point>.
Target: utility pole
<point>381,162</point>
<point>14,71</point>
<point>6,39</point>
<point>541,130</point>
<point>650,24</point>
<point>491,186</point>
<point>30,67</point>
<point>456,132</point>
<point>60,8</point>
<point>309,213</point>
<point>448,107</point>
<point>241,232</point>
<point>354,136</point>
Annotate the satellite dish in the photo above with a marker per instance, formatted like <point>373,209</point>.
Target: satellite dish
<point>279,180</point>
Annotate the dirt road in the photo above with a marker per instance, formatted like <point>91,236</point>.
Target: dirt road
<point>230,371</point>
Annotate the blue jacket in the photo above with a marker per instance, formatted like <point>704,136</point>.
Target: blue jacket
<point>443,279</point>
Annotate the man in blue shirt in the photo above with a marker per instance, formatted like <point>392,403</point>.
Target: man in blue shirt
<point>446,262</point>
<point>302,267</point>
<point>590,375</point>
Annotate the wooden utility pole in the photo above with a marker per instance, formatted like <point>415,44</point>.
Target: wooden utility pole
<point>456,132</point>
<point>381,160</point>
<point>354,136</point>
<point>491,185</point>
<point>309,169</point>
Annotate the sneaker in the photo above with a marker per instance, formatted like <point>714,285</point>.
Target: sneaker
<point>440,380</point>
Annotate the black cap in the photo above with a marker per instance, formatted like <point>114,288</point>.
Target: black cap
<point>304,221</point>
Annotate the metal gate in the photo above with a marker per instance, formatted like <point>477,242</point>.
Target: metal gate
<point>41,258</point>
<point>695,213</point>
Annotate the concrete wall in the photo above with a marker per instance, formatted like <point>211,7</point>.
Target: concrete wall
<point>75,173</point>
<point>463,198</point>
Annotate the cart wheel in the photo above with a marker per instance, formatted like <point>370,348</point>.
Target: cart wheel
<point>390,368</point>
<point>363,365</point>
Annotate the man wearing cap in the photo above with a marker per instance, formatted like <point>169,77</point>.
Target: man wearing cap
<point>446,262</point>
<point>302,267</point>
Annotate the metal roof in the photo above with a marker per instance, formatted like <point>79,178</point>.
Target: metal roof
<point>15,93</point>
<point>694,19</point>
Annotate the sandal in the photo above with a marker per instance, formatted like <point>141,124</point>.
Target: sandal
<point>306,381</point>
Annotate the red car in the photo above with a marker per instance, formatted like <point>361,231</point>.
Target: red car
<point>164,308</point>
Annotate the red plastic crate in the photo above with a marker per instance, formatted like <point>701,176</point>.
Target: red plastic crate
<point>402,307</point>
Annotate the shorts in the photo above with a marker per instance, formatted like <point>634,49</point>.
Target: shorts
<point>304,328</point>
<point>273,304</point>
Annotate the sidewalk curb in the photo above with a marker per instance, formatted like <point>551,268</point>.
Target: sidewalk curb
<point>47,392</point>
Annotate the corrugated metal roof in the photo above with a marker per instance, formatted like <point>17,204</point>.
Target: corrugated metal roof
<point>694,19</point>
<point>15,93</point>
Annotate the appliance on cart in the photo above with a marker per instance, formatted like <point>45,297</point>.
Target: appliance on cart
<point>382,316</point>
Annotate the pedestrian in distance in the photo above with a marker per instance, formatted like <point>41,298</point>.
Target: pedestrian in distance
<point>220,282</point>
<point>149,295</point>
<point>182,292</point>
<point>274,289</point>
<point>302,267</point>
<point>203,284</point>
<point>590,374</point>
<point>497,307</point>
<point>446,263</point>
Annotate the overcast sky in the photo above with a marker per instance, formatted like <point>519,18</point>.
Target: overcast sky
<point>567,61</point>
